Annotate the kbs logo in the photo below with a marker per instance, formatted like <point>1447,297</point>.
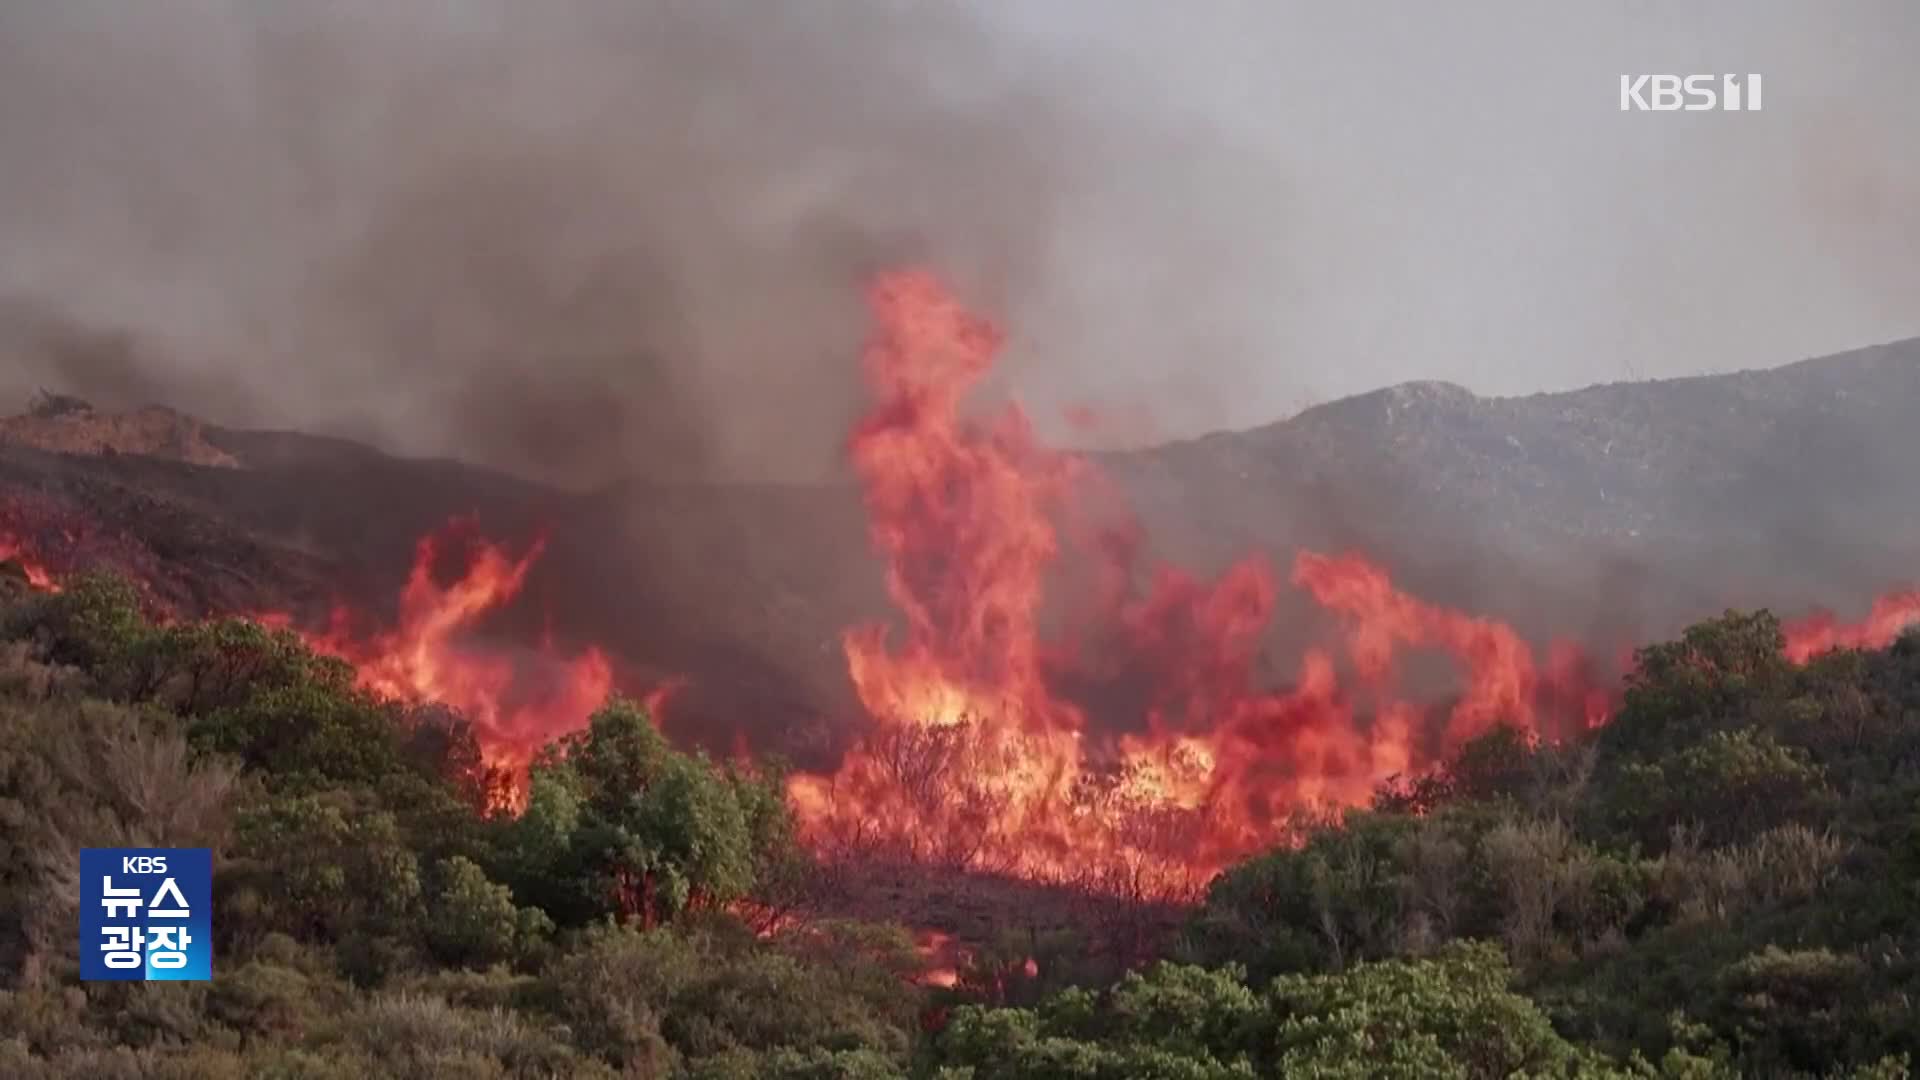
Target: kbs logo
<point>1689,93</point>
<point>146,913</point>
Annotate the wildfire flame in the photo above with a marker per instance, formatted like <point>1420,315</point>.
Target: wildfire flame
<point>939,958</point>
<point>38,576</point>
<point>974,759</point>
<point>1891,614</point>
<point>516,699</point>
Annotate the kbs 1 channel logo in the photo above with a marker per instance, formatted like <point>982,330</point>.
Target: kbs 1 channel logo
<point>146,914</point>
<point>1690,93</point>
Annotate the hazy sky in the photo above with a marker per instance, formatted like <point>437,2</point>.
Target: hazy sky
<point>589,237</point>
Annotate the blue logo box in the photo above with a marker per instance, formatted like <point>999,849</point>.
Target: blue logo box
<point>146,914</point>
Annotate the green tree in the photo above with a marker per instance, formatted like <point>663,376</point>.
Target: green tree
<point>1709,679</point>
<point>620,823</point>
<point>1453,1015</point>
<point>473,921</point>
<point>1336,900</point>
<point>645,999</point>
<point>1732,784</point>
<point>328,868</point>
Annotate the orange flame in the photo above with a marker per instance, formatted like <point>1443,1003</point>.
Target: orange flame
<point>656,700</point>
<point>1820,633</point>
<point>516,699</point>
<point>38,576</point>
<point>973,759</point>
<point>972,756</point>
<point>1504,685</point>
<point>940,958</point>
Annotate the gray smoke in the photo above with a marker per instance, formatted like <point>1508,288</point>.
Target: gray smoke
<point>593,238</point>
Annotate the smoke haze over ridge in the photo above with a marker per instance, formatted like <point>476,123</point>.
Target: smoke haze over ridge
<point>591,238</point>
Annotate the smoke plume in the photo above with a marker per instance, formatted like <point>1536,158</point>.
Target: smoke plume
<point>589,239</point>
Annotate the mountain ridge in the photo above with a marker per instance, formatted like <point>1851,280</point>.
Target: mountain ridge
<point>1609,514</point>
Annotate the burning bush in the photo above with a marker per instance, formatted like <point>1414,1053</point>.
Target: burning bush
<point>975,758</point>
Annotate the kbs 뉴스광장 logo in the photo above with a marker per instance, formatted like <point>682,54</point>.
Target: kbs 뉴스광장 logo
<point>146,914</point>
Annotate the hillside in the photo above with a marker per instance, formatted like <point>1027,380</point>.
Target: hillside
<point>1785,487</point>
<point>1612,513</point>
<point>1720,882</point>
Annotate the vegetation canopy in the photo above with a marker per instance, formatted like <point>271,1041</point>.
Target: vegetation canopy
<point>1722,881</point>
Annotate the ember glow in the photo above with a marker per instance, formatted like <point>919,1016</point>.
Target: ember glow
<point>38,576</point>
<point>517,699</point>
<point>1891,614</point>
<point>940,959</point>
<point>973,759</point>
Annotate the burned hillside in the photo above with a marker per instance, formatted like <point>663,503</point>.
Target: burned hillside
<point>1612,513</point>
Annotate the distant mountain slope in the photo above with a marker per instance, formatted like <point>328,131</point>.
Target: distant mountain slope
<point>1611,513</point>
<point>1792,486</point>
<point>1677,460</point>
